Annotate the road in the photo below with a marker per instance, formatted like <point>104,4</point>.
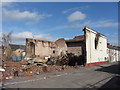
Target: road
<point>100,76</point>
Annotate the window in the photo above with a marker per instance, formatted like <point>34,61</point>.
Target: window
<point>96,43</point>
<point>54,51</point>
<point>105,58</point>
<point>97,40</point>
<point>43,44</point>
<point>19,51</point>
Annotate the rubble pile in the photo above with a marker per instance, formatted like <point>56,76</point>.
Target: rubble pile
<point>23,69</point>
<point>69,59</point>
<point>34,66</point>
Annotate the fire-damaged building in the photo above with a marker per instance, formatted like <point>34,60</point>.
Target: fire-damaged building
<point>61,47</point>
<point>40,48</point>
<point>90,48</point>
<point>95,47</point>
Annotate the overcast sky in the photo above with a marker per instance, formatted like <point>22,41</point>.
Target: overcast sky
<point>50,20</point>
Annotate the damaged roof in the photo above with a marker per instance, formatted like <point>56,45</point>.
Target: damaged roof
<point>30,39</point>
<point>113,47</point>
<point>76,39</point>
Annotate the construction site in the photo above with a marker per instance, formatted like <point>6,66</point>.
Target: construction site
<point>39,56</point>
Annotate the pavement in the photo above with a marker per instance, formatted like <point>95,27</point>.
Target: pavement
<point>100,76</point>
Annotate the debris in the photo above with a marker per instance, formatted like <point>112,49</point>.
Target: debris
<point>44,78</point>
<point>2,70</point>
<point>24,65</point>
<point>37,72</point>
<point>45,69</point>
<point>47,57</point>
<point>51,61</point>
<point>10,77</point>
<point>37,60</point>
<point>23,69</point>
<point>30,72</point>
<point>16,74</point>
<point>30,62</point>
<point>7,78</point>
<point>28,58</point>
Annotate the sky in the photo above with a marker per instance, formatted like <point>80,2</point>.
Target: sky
<point>53,20</point>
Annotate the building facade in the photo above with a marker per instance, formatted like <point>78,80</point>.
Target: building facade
<point>39,48</point>
<point>90,48</point>
<point>96,47</point>
<point>113,53</point>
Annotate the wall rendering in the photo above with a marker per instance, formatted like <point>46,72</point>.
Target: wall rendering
<point>96,46</point>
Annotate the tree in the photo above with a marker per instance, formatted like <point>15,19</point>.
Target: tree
<point>6,39</point>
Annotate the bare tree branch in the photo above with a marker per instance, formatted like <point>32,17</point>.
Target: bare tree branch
<point>6,38</point>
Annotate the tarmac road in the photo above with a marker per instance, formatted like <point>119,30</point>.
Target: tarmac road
<point>101,76</point>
